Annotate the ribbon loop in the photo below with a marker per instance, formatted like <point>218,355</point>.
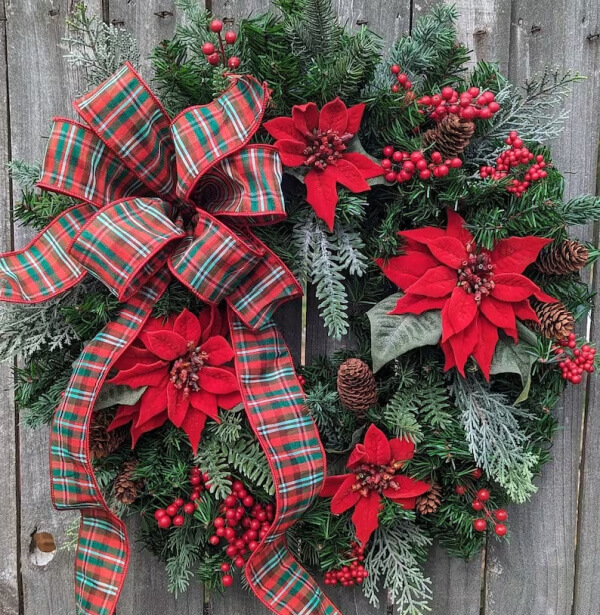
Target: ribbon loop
<point>126,243</point>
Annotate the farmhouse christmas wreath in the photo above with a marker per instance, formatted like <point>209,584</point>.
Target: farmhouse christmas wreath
<point>419,201</point>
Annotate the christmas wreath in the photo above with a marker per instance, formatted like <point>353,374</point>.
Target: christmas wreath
<point>419,201</point>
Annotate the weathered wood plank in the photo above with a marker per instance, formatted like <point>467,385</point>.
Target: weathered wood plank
<point>535,573</point>
<point>41,85</point>
<point>9,574</point>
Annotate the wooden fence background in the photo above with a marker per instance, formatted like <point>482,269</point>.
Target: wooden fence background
<point>551,566</point>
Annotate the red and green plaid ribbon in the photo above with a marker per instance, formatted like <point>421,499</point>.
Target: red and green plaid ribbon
<point>163,199</point>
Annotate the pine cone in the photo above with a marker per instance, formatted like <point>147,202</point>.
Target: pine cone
<point>356,386</point>
<point>102,441</point>
<point>556,322</point>
<point>127,488</point>
<point>565,257</point>
<point>428,502</point>
<point>451,136</point>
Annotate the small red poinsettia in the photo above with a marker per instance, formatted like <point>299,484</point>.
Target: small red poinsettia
<point>478,291</point>
<point>317,140</point>
<point>181,361</point>
<point>375,465</point>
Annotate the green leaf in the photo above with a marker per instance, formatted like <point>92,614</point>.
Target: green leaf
<point>517,358</point>
<point>394,335</point>
<point>118,395</point>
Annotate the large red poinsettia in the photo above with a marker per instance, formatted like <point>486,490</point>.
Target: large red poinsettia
<point>181,361</point>
<point>478,291</point>
<point>318,140</point>
<point>374,475</point>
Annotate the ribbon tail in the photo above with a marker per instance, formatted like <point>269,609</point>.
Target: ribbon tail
<point>103,550</point>
<point>277,413</point>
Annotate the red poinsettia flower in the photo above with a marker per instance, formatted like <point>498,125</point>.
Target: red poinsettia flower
<point>317,139</point>
<point>181,361</point>
<point>375,465</point>
<point>478,291</point>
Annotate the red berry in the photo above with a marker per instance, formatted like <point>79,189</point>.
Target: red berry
<point>233,62</point>
<point>390,177</point>
<point>161,512</point>
<point>189,508</point>
<point>480,525</point>
<point>230,37</point>
<point>178,502</point>
<point>195,480</point>
<point>214,540</point>
<point>164,522</point>
<point>473,91</point>
<point>178,520</point>
<point>447,93</point>
<point>425,174</point>
<point>239,562</point>
<point>225,567</point>
<point>477,473</point>
<point>483,495</point>
<point>172,510</point>
<point>395,88</point>
<point>227,580</point>
<point>460,489</point>
<point>477,505</point>
<point>500,529</point>
<point>216,25</point>
<point>213,59</point>
<point>388,151</point>
<point>208,48</point>
<point>395,69</point>
<point>501,514</point>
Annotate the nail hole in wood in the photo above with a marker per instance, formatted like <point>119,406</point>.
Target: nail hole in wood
<point>535,29</point>
<point>163,14</point>
<point>42,548</point>
<point>593,37</point>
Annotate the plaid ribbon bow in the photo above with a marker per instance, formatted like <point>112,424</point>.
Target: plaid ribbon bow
<point>163,199</point>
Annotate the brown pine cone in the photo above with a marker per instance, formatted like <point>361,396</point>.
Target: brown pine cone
<point>356,386</point>
<point>562,258</point>
<point>428,502</point>
<point>556,322</point>
<point>126,487</point>
<point>451,136</point>
<point>102,441</point>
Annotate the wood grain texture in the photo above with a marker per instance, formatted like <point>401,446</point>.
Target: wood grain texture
<point>9,478</point>
<point>535,573</point>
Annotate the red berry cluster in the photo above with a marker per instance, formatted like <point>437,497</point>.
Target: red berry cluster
<point>243,523</point>
<point>214,55</point>
<point>354,574</point>
<point>402,79</point>
<point>172,513</point>
<point>575,358</point>
<point>497,517</point>
<point>516,155</point>
<point>401,166</point>
<point>469,105</point>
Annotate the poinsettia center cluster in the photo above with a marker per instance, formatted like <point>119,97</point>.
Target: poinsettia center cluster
<point>476,274</point>
<point>371,477</point>
<point>184,372</point>
<point>326,147</point>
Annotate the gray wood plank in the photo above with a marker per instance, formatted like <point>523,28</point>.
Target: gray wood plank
<point>41,85</point>
<point>536,573</point>
<point>9,574</point>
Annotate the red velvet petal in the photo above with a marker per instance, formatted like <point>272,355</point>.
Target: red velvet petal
<point>406,269</point>
<point>349,176</point>
<point>332,484</point>
<point>524,311</point>
<point>207,402</point>
<point>377,446</point>
<point>211,322</point>
<point>499,313</point>
<point>463,344</point>
<point>125,414</point>
<point>345,497</point>
<point>136,432</point>
<point>415,304</point>
<point>193,425</point>
<point>448,355</point>
<point>514,287</point>
<point>133,356</point>
<point>217,380</point>
<point>228,401</point>
<point>423,235</point>
<point>321,194</point>
<point>218,349</point>
<point>366,166</point>
<point>456,228</point>
<point>283,128</point>
<point>142,374</point>
<point>458,313</point>
<point>484,351</point>
<point>542,296</point>
<point>152,402</point>
<point>156,324</point>
<point>448,251</point>
<point>366,516</point>
<point>358,456</point>
<point>167,345</point>
<point>355,118</point>
<point>407,488</point>
<point>187,325</point>
<point>334,115</point>
<point>407,503</point>
<point>178,405</point>
<point>402,449</point>
<point>512,255</point>
<point>291,152</point>
<point>437,282</point>
<point>306,118</point>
